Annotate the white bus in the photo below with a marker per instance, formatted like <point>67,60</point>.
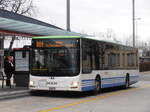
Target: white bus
<point>74,63</point>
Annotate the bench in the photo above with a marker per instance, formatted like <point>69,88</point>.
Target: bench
<point>2,77</point>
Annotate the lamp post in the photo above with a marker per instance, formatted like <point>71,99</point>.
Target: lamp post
<point>133,20</point>
<point>136,32</point>
<point>68,14</point>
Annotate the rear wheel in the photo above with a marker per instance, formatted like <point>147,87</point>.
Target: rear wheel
<point>127,82</point>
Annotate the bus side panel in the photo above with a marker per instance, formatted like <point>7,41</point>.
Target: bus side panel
<point>109,78</point>
<point>112,78</point>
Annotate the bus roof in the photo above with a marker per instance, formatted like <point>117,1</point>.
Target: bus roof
<point>48,37</point>
<point>87,37</point>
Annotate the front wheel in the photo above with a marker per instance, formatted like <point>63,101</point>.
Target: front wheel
<point>97,86</point>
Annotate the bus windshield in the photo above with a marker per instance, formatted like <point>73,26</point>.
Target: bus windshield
<point>56,59</point>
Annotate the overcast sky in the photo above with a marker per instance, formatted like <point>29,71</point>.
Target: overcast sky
<point>98,16</point>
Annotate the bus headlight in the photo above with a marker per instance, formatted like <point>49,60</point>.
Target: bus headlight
<point>75,85</point>
<point>31,84</point>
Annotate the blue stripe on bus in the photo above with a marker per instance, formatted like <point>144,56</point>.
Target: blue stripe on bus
<point>134,76</point>
<point>88,88</point>
<point>113,85</point>
<point>88,80</point>
<point>113,78</point>
<point>107,78</point>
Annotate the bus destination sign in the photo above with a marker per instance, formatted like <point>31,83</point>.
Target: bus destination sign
<point>55,44</point>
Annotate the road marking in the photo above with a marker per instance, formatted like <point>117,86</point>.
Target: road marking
<point>93,99</point>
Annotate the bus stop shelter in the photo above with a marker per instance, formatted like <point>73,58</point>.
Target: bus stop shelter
<point>12,24</point>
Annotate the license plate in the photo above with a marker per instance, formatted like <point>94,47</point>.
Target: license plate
<point>52,88</point>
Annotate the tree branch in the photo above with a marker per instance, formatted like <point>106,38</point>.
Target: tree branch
<point>23,7</point>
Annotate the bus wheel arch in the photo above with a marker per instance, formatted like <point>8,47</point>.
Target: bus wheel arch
<point>97,84</point>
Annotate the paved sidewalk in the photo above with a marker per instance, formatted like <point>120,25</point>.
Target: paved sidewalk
<point>12,92</point>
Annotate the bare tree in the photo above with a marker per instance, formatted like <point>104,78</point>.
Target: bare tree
<point>4,4</point>
<point>23,7</point>
<point>110,33</point>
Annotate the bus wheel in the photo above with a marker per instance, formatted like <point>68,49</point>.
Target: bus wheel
<point>127,82</point>
<point>97,85</point>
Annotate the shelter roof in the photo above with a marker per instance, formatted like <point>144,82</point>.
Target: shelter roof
<point>16,24</point>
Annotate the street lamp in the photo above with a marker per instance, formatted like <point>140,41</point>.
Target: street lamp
<point>136,32</point>
<point>68,14</point>
<point>133,19</point>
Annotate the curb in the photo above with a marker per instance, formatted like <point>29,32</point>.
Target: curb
<point>14,94</point>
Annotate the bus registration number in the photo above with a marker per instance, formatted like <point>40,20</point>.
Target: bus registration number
<point>52,88</point>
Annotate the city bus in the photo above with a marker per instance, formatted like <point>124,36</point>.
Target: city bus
<point>76,63</point>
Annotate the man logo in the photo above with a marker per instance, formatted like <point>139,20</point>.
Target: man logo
<point>52,83</point>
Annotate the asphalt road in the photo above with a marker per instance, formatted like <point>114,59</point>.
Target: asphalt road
<point>134,99</point>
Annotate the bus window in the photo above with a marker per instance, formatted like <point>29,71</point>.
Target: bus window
<point>101,56</point>
<point>95,57</point>
<point>86,61</point>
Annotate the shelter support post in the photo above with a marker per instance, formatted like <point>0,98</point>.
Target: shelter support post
<point>11,44</point>
<point>1,52</point>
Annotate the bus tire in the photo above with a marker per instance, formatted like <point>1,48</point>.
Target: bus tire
<point>127,83</point>
<point>97,85</point>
